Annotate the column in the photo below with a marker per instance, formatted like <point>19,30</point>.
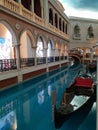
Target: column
<point>97,96</point>
<point>35,60</point>
<point>17,55</point>
<point>97,88</point>
<point>46,12</point>
<point>54,55</point>
<point>42,9</point>
<point>57,21</point>
<point>59,54</point>
<point>45,54</point>
<point>32,5</point>
<point>91,55</point>
<point>53,18</point>
<point>19,1</point>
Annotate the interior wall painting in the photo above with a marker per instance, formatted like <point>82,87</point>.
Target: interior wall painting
<point>5,50</point>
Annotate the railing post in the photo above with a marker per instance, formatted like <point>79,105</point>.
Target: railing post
<point>17,46</point>
<point>35,59</point>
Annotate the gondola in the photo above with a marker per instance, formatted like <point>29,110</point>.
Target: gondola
<point>76,97</point>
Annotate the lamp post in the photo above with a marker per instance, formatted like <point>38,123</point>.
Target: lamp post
<point>96,46</point>
<point>97,88</point>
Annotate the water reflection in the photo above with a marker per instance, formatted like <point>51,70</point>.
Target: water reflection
<point>28,106</point>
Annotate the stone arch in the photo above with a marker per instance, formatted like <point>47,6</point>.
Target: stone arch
<point>41,46</point>
<point>10,28</point>
<point>57,48</point>
<point>76,29</point>
<point>27,44</point>
<point>57,43</point>
<point>31,36</point>
<point>62,49</point>
<point>9,41</point>
<point>43,40</point>
<point>66,49</point>
<point>90,32</point>
<point>50,48</point>
<point>52,42</point>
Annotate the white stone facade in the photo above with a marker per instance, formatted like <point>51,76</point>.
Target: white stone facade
<point>82,39</point>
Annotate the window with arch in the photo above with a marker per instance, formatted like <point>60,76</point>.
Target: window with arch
<point>50,16</point>
<point>63,26</point>
<point>60,24</point>
<point>37,7</point>
<point>66,28</point>
<point>56,21</point>
<point>26,4</point>
<point>90,32</point>
<point>76,32</point>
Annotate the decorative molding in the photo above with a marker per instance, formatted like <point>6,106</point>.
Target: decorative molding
<point>17,26</point>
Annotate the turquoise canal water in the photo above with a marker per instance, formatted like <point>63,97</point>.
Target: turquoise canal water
<point>28,106</point>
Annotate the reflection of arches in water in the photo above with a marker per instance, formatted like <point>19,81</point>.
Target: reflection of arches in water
<point>8,121</point>
<point>41,97</point>
<point>49,89</point>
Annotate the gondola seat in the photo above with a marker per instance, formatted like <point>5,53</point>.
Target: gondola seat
<point>84,86</point>
<point>84,82</point>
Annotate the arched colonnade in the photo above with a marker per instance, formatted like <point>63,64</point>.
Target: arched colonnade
<point>18,49</point>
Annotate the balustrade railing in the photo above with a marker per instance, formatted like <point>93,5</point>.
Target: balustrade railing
<point>21,10</point>
<point>41,60</point>
<point>7,64</point>
<point>62,58</point>
<point>50,59</point>
<point>65,57</point>
<point>12,5</point>
<point>57,58</point>
<point>10,64</point>
<point>25,62</point>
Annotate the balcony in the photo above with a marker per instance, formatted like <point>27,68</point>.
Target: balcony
<point>59,32</point>
<point>19,9</point>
